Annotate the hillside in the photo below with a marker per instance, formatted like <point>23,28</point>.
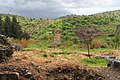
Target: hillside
<point>38,58</point>
<point>42,28</point>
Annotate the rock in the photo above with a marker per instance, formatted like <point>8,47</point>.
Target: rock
<point>107,57</point>
<point>115,64</point>
<point>3,76</point>
<point>109,62</point>
<point>9,76</point>
<point>18,58</point>
<point>6,49</point>
<point>17,47</point>
<point>28,75</point>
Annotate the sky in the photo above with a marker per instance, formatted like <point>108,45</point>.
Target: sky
<point>56,8</point>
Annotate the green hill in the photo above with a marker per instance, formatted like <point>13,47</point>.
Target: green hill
<point>42,28</point>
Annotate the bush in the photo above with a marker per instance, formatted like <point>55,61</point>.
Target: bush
<point>24,43</point>
<point>98,43</point>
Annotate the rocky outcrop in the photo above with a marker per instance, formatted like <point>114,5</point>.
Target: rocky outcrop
<point>6,49</point>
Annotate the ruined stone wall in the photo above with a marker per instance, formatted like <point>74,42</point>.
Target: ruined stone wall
<point>57,37</point>
<point>6,49</point>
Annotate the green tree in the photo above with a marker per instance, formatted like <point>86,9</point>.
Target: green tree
<point>8,28</point>
<point>2,30</point>
<point>16,29</point>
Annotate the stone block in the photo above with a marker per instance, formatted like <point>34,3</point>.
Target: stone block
<point>9,76</point>
<point>115,64</point>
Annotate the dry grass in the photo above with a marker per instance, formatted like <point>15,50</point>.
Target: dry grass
<point>34,59</point>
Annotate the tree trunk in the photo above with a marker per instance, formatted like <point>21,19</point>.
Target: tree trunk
<point>88,46</point>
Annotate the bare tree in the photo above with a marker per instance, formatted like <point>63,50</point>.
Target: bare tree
<point>87,34</point>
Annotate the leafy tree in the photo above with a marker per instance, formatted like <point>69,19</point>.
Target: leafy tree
<point>87,34</point>
<point>8,28</point>
<point>2,30</point>
<point>16,29</point>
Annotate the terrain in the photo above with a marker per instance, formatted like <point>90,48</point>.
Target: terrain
<point>69,60</point>
<point>58,66</point>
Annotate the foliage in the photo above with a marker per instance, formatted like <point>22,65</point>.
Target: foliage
<point>87,35</point>
<point>98,43</point>
<point>23,42</point>
<point>42,28</point>
<point>94,61</point>
<point>11,28</point>
<point>2,29</point>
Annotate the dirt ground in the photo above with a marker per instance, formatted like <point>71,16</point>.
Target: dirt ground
<point>47,66</point>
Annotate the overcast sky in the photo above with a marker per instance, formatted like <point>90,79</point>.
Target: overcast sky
<point>56,8</point>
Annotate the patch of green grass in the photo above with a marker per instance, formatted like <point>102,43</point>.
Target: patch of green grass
<point>97,50</point>
<point>91,50</point>
<point>67,53</point>
<point>40,44</point>
<point>94,61</point>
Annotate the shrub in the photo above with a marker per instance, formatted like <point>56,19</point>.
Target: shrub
<point>98,43</point>
<point>24,43</point>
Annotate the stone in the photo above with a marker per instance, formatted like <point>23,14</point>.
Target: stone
<point>57,37</point>
<point>13,76</point>
<point>3,76</point>
<point>115,64</point>
<point>107,57</point>
<point>109,62</point>
<point>9,76</point>
<point>17,47</point>
<point>6,49</point>
<point>28,75</point>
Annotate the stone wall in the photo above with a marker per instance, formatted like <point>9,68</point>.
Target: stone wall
<point>6,49</point>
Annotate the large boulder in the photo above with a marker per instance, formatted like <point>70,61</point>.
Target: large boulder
<point>6,49</point>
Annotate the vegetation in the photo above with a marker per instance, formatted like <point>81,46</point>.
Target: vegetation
<point>94,61</point>
<point>11,28</point>
<point>39,60</point>
<point>87,35</point>
<point>42,29</point>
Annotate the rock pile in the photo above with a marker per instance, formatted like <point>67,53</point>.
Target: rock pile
<point>6,49</point>
<point>72,72</point>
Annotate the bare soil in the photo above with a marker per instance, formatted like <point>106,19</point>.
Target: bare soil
<point>56,67</point>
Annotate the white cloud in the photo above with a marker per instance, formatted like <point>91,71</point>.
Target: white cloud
<point>89,11</point>
<point>55,8</point>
